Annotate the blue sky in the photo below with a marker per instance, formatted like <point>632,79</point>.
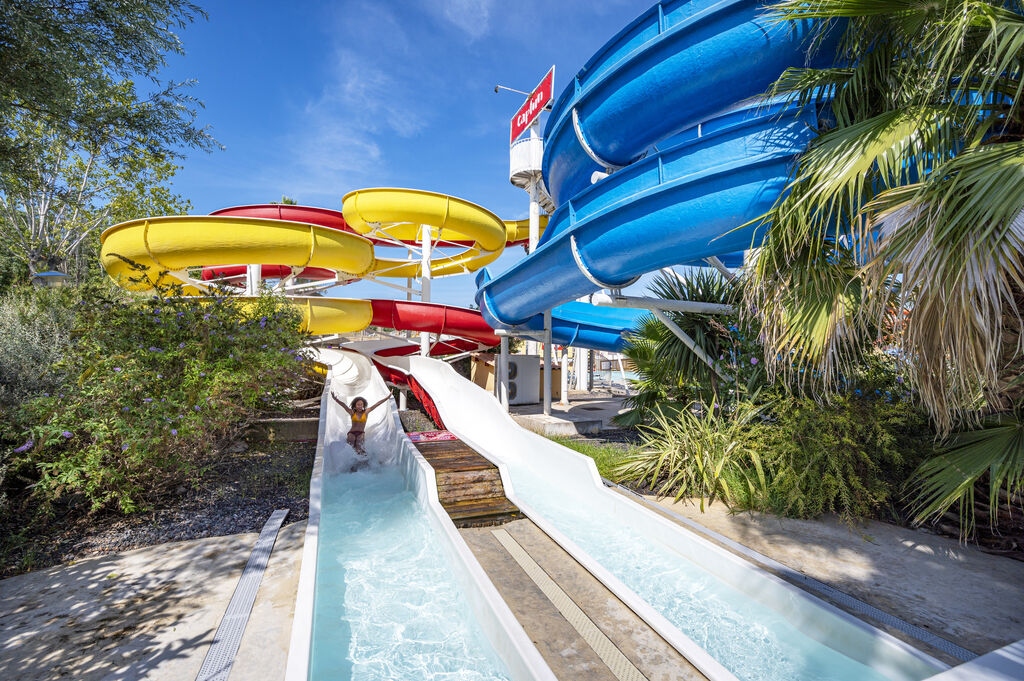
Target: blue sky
<point>314,99</point>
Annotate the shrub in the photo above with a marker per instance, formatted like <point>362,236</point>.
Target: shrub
<point>793,456</point>
<point>695,452</point>
<point>36,327</point>
<point>151,387</point>
<point>851,456</point>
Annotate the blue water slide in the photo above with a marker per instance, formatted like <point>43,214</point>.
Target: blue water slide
<point>677,64</point>
<point>682,76</point>
<point>678,205</point>
<point>578,324</point>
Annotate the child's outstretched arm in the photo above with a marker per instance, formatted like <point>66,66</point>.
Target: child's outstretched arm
<point>343,405</point>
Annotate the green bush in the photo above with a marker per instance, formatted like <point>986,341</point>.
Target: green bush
<point>37,326</point>
<point>695,452</point>
<point>851,456</point>
<point>150,388</point>
<point>793,456</point>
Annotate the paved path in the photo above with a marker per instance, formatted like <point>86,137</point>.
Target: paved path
<point>147,614</point>
<point>967,596</point>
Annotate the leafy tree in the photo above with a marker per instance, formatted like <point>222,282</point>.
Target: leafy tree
<point>50,217</point>
<point>64,64</point>
<point>910,200</point>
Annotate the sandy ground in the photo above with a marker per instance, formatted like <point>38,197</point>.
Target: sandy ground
<point>969,597</point>
<point>147,614</point>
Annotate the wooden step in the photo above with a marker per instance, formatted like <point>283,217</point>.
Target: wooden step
<point>480,490</point>
<point>468,485</point>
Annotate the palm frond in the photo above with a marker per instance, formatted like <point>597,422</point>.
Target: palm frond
<point>995,450</point>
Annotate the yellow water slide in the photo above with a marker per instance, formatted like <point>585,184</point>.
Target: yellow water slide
<point>142,254</point>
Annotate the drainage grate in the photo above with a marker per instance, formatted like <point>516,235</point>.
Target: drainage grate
<point>221,654</point>
<point>619,664</point>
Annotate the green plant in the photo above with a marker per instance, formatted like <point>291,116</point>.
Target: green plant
<point>152,386</point>
<point>671,374</point>
<point>37,326</point>
<point>992,455</point>
<point>695,452</point>
<point>851,456</point>
<point>606,456</point>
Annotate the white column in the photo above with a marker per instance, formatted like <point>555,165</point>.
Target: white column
<point>534,197</point>
<point>502,370</point>
<point>564,401</point>
<point>547,363</point>
<point>582,363</point>
<point>425,283</point>
<point>253,279</point>
<point>403,402</point>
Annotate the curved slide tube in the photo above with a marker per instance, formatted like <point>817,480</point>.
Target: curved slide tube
<point>517,233</point>
<point>318,647</point>
<point>677,64</point>
<point>317,243</point>
<point>681,204</point>
<point>679,72</point>
<point>729,618</point>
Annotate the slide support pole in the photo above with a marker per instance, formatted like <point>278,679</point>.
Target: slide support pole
<point>548,369</point>
<point>625,383</point>
<point>564,401</point>
<point>503,373</point>
<point>253,275</point>
<point>534,197</point>
<point>425,283</point>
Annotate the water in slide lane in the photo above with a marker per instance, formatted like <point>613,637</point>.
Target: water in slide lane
<point>756,626</point>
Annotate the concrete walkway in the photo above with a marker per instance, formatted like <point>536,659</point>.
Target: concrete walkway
<point>586,414</point>
<point>147,614</point>
<point>562,645</point>
<point>962,594</point>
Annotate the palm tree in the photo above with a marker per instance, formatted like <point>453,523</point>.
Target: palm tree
<point>911,198</point>
<point>670,374</point>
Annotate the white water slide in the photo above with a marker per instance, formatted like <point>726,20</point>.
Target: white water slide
<point>383,567</point>
<point>731,619</point>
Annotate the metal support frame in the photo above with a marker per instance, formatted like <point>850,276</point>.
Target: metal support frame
<point>690,343</point>
<point>503,373</point>
<point>253,279</point>
<point>548,369</point>
<point>645,303</point>
<point>425,283</point>
<point>722,269</point>
<point>625,381</point>
<point>564,397</point>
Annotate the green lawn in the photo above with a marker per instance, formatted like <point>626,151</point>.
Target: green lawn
<point>604,455</point>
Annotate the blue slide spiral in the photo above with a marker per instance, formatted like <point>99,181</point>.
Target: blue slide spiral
<point>683,75</point>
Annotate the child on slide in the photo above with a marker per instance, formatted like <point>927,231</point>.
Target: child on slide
<point>358,411</point>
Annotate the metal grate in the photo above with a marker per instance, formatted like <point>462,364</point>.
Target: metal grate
<point>221,654</point>
<point>846,600</point>
<point>619,664</point>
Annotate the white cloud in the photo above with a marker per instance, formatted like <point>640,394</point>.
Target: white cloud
<point>472,17</point>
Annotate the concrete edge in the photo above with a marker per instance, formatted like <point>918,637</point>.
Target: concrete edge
<point>297,668</point>
<point>1002,664</point>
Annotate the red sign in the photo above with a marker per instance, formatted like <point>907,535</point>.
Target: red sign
<point>534,104</point>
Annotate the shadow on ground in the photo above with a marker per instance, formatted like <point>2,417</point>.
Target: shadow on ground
<point>124,616</point>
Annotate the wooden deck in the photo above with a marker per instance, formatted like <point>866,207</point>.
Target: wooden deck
<point>468,485</point>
